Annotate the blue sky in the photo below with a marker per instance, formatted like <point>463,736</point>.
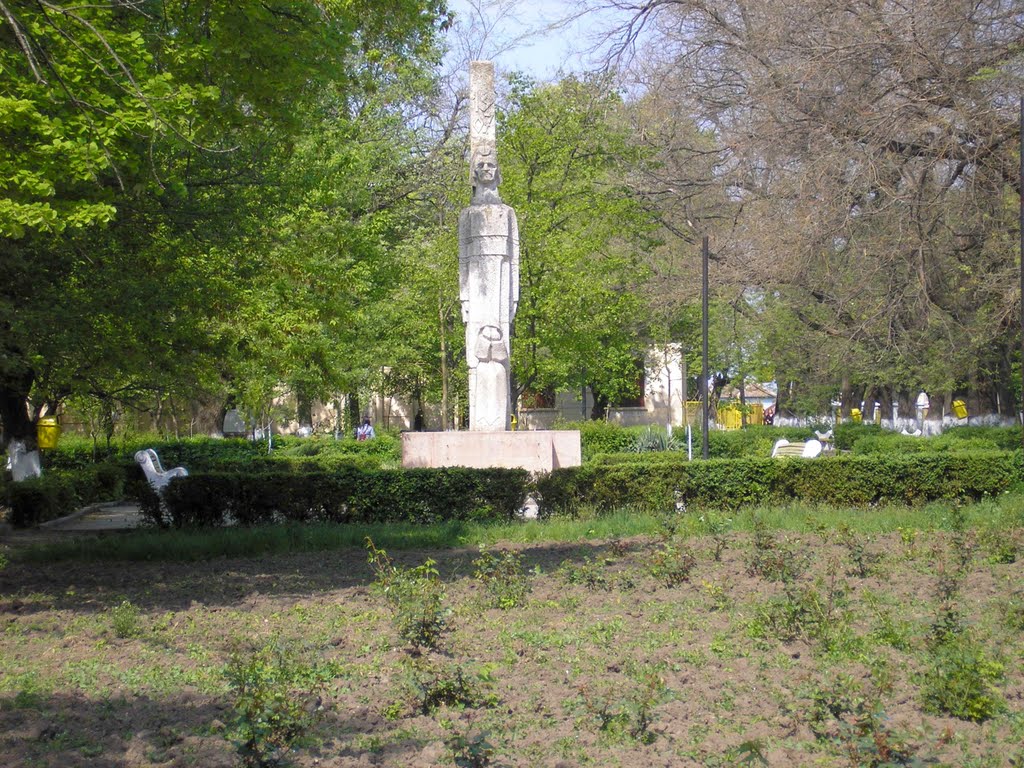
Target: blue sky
<point>513,34</point>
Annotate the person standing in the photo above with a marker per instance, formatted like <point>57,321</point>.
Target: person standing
<point>365,431</point>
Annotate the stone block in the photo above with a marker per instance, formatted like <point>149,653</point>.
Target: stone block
<point>536,451</point>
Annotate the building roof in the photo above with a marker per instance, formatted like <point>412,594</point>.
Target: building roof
<point>752,391</point>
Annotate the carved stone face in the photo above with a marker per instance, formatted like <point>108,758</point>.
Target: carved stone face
<point>485,170</point>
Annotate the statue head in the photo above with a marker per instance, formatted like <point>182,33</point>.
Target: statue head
<point>485,171</point>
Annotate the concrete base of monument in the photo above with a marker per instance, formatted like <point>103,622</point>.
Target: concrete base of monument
<point>536,451</point>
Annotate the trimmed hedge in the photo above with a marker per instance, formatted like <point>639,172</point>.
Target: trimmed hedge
<point>842,480</point>
<point>347,495</point>
<point>56,494</point>
<point>201,454</point>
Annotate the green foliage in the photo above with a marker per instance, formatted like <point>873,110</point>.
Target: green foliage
<point>654,439</point>
<point>346,494</point>
<point>659,481</point>
<point>589,573</point>
<point>772,558</point>
<point>625,710</point>
<point>133,131</point>
<point>276,701</point>
<point>503,577</point>
<point>869,742</point>
<point>1012,609</point>
<point>470,751</point>
<point>39,499</point>
<point>962,680</point>
<point>598,437</point>
<point>415,597</point>
<point>801,612</point>
<point>564,148</point>
<point>672,563</point>
<point>125,619</point>
<point>435,684</point>
<point>861,558</point>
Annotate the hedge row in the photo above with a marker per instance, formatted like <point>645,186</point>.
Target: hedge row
<point>348,495</point>
<point>614,482</point>
<point>56,494</point>
<point>208,454</point>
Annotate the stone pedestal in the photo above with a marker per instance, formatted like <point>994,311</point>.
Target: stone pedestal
<point>536,451</point>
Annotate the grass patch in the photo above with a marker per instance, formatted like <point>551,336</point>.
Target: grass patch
<point>199,545</point>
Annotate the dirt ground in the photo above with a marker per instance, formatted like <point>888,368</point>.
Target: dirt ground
<point>604,664</point>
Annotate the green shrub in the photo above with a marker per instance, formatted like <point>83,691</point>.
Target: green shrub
<point>625,709</point>
<point>844,436</point>
<point>124,618</point>
<point>597,437</point>
<point>434,685</point>
<point>503,577</point>
<point>665,480</point>
<point>962,681</point>
<point>470,751</point>
<point>40,499</point>
<point>672,563</point>
<point>654,439</point>
<point>346,494</point>
<point>415,597</point>
<point>1006,438</point>
<point>276,701</point>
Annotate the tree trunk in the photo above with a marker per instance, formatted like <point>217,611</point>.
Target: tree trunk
<point>15,419</point>
<point>442,326</point>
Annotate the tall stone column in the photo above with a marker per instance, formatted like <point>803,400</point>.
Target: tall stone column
<point>488,265</point>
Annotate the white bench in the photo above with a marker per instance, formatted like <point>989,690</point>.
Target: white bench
<point>806,450</point>
<point>155,474</point>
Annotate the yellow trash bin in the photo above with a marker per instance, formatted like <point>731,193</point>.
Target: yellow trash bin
<point>47,432</point>
<point>960,409</point>
<point>855,415</point>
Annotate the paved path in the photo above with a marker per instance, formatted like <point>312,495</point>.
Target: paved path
<point>113,516</point>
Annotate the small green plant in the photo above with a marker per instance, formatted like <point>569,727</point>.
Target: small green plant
<point>869,742</point>
<point>862,559</point>
<point>470,751</point>
<point>962,681</point>
<point>1002,545</point>
<point>962,537</point>
<point>589,574</point>
<point>1013,612</point>
<point>773,559</point>
<point>625,715</point>
<point>890,630</point>
<point>671,564</point>
<point>434,684</point>
<point>716,527</point>
<point>908,538</point>
<point>125,619</point>
<point>274,703</point>
<point>831,703</point>
<point>503,577</point>
<point>809,612</point>
<point>654,439</point>
<point>718,595</point>
<point>751,753</point>
<point>948,622</point>
<point>415,597</point>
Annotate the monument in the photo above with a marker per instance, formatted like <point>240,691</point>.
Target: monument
<point>489,295</point>
<point>488,265</point>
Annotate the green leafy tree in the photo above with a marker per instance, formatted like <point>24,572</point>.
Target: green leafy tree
<point>564,152</point>
<point>142,158</point>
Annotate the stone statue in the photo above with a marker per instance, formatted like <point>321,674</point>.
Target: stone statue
<point>488,267</point>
